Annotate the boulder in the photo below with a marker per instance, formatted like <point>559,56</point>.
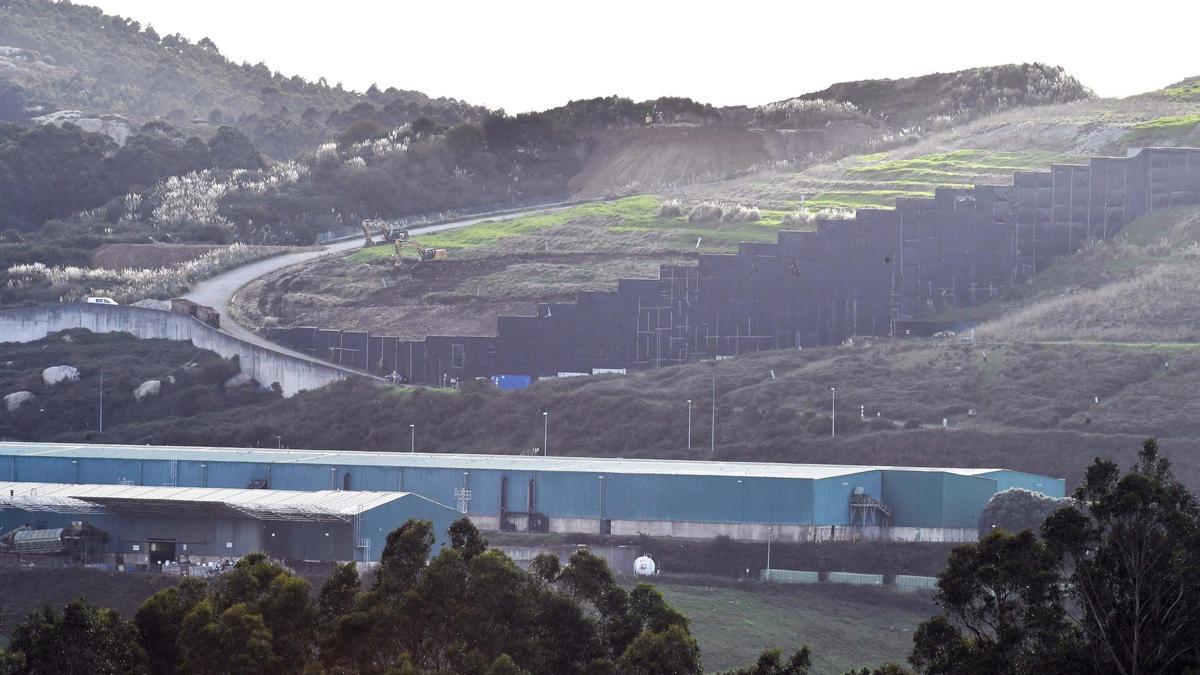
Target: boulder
<point>17,399</point>
<point>56,374</point>
<point>239,380</point>
<point>147,388</point>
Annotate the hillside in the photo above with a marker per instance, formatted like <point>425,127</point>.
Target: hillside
<point>62,56</point>
<point>939,99</point>
<point>191,382</point>
<point>1003,411</point>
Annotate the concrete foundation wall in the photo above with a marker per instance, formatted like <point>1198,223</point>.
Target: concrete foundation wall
<point>26,324</point>
<point>747,531</point>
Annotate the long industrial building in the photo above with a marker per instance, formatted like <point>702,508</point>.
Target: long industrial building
<point>148,490</point>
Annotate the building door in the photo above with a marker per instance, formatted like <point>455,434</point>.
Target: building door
<point>162,551</point>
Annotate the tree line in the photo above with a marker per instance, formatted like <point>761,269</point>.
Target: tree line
<point>1108,585</point>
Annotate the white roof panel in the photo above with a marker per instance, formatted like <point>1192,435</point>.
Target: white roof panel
<point>460,461</point>
<point>184,501</point>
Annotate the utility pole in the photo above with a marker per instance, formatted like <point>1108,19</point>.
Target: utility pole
<point>770,536</point>
<point>412,438</point>
<point>712,440</point>
<point>833,417</point>
<point>102,400</point>
<point>689,424</point>
<point>545,433</point>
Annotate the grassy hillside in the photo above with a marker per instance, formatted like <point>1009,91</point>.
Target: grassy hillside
<point>1005,411</point>
<point>1137,288</point>
<point>733,623</point>
<point>939,98</point>
<point>845,627</point>
<point>76,57</point>
<point>497,267</point>
<point>192,382</point>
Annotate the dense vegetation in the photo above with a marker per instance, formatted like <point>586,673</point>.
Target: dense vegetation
<point>467,610</point>
<point>1110,586</point>
<point>76,57</point>
<point>940,98</point>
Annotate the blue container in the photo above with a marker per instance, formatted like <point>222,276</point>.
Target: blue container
<point>506,382</point>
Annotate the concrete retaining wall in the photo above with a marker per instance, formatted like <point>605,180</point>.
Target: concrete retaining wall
<point>26,324</point>
<point>780,533</point>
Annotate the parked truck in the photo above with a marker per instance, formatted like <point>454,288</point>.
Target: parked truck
<point>204,313</point>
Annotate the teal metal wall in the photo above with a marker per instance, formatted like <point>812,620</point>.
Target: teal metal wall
<point>918,498</point>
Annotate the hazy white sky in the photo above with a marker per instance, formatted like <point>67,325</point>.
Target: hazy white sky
<point>535,54</point>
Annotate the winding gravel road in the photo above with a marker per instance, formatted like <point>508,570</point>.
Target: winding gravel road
<point>218,291</point>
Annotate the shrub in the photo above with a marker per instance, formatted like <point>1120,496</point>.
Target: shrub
<point>670,208</point>
<point>806,217</point>
<point>705,212</point>
<point>740,214</point>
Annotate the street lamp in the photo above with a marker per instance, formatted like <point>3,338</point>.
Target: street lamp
<point>412,438</point>
<point>833,416</point>
<point>545,433</point>
<point>689,424</point>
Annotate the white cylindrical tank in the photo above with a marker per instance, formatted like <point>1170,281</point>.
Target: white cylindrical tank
<point>644,566</point>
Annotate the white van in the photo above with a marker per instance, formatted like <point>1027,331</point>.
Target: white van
<point>102,301</point>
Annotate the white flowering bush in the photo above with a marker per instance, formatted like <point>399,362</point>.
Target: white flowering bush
<point>705,212</point>
<point>806,217</point>
<point>802,113</point>
<point>670,208</point>
<point>739,213</point>
<point>129,284</point>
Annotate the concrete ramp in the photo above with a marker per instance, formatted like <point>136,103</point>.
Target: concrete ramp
<point>293,373</point>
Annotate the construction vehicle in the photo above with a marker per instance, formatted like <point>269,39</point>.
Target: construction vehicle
<point>390,233</point>
<point>423,254</point>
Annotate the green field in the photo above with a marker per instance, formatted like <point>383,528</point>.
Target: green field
<point>1161,129</point>
<point>877,180</point>
<point>846,627</point>
<point>957,168</point>
<point>601,226</point>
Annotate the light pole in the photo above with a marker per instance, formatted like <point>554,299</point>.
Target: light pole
<point>770,536</point>
<point>689,424</point>
<point>412,438</point>
<point>833,417</point>
<point>102,400</point>
<point>545,433</point>
<point>712,439</point>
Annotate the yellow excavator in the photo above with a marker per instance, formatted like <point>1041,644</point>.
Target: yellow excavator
<point>391,233</point>
<point>423,254</point>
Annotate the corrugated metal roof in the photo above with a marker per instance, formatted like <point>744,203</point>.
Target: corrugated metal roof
<point>463,461</point>
<point>259,504</point>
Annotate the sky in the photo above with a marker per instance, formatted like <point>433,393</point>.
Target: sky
<point>524,55</point>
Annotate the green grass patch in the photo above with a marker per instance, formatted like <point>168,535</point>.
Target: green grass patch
<point>733,624</point>
<point>619,218</point>
<point>862,199</point>
<point>960,167</point>
<point>1188,89</point>
<point>1160,129</point>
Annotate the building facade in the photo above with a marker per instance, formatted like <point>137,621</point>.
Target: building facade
<point>694,499</point>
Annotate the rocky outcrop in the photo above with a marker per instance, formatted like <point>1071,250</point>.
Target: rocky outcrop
<point>147,389</point>
<point>15,400</point>
<point>58,374</point>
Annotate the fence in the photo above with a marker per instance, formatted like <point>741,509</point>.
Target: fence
<point>901,582</point>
